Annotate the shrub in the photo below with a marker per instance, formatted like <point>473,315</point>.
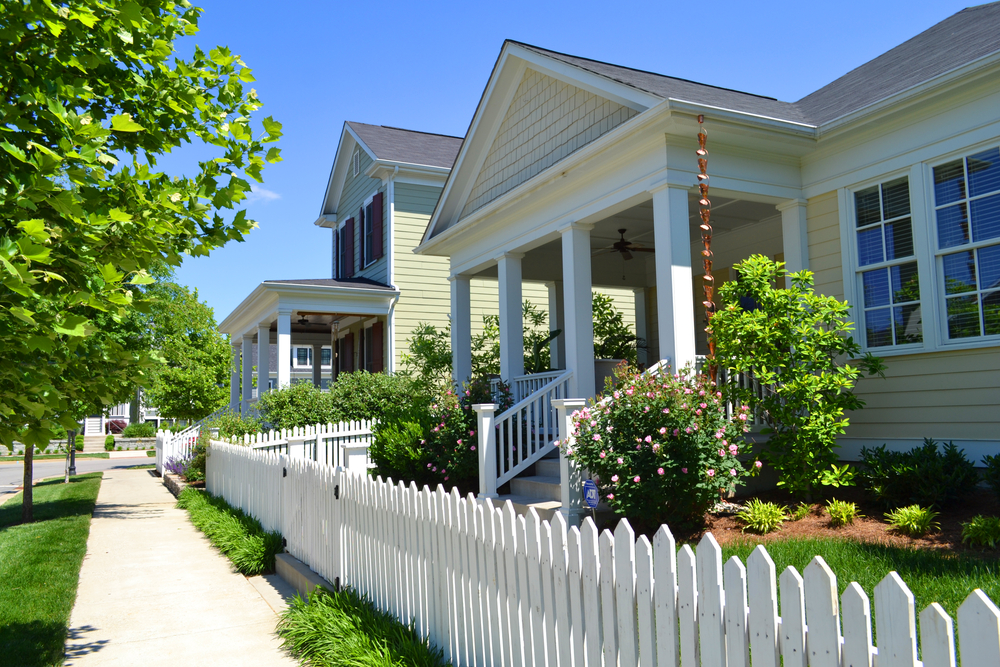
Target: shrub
<point>78,443</point>
<point>992,475</point>
<point>612,337</point>
<point>982,531</point>
<point>144,430</point>
<point>109,443</point>
<point>299,404</point>
<point>177,465</point>
<point>385,398</point>
<point>791,342</point>
<point>842,512</point>
<point>234,425</point>
<point>239,536</point>
<point>913,520</point>
<point>397,452</point>
<point>801,511</point>
<point>660,447</point>
<point>925,475</point>
<point>761,517</point>
<point>116,426</point>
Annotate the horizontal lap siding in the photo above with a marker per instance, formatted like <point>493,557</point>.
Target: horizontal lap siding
<point>824,244</point>
<point>356,190</point>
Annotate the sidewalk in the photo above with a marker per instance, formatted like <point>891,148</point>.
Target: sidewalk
<point>153,591</point>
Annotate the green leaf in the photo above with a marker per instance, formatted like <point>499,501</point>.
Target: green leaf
<point>141,278</point>
<point>73,325</point>
<point>14,150</point>
<point>273,129</point>
<point>42,343</point>
<point>35,228</point>
<point>110,273</point>
<point>273,155</point>
<point>123,123</point>
<point>22,314</point>
<point>119,215</point>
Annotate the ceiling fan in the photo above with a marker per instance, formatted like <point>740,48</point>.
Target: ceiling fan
<point>626,248</point>
<point>304,321</point>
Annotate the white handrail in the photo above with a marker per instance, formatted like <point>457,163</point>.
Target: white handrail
<point>341,444</point>
<point>525,432</point>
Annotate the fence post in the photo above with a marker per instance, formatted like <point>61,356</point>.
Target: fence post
<point>487,450</point>
<point>570,474</point>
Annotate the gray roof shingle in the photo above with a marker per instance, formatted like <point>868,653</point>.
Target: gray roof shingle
<point>397,145</point>
<point>958,40</point>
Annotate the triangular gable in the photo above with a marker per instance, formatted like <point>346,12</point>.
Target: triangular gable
<point>349,142</point>
<point>547,120</point>
<point>535,111</point>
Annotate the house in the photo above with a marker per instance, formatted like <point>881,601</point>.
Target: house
<point>383,186</point>
<point>885,183</point>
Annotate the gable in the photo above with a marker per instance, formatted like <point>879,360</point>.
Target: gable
<point>547,120</point>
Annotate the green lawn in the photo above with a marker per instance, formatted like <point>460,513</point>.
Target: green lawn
<point>932,576</point>
<point>40,568</point>
<point>49,457</point>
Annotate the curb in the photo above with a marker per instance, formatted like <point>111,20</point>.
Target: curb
<point>298,575</point>
<point>174,483</point>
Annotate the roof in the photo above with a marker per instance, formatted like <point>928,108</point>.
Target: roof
<point>350,283</point>
<point>397,145</point>
<point>958,40</point>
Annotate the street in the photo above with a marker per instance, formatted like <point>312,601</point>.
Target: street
<point>12,474</point>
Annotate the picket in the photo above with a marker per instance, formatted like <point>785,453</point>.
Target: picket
<point>493,588</point>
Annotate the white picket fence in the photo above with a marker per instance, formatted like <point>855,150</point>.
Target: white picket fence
<point>175,445</point>
<point>342,444</point>
<point>494,588</point>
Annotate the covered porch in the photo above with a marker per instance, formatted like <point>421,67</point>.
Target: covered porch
<point>332,326</point>
<point>650,243</point>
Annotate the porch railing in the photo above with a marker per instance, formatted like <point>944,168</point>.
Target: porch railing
<point>520,436</point>
<point>171,446</point>
<point>343,444</point>
<point>740,381</point>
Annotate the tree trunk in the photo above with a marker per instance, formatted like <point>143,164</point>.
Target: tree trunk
<point>26,508</point>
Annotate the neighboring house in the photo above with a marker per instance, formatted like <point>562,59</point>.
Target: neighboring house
<point>884,183</point>
<point>382,189</point>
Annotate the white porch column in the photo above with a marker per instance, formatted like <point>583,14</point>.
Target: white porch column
<point>557,320</point>
<point>674,288</point>
<point>570,474</point>
<point>794,234</point>
<point>263,358</point>
<point>317,365</point>
<point>641,330</point>
<point>461,329</point>
<point>247,355</point>
<point>234,380</point>
<point>284,348</point>
<point>578,302</point>
<point>511,314</point>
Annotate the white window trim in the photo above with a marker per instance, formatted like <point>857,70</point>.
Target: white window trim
<point>937,254</point>
<point>295,356</point>
<point>929,265</point>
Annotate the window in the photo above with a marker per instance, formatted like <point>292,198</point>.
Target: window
<point>887,264</point>
<point>325,356</point>
<point>356,162</point>
<point>967,212</point>
<point>368,221</point>
<point>303,356</point>
<point>367,350</point>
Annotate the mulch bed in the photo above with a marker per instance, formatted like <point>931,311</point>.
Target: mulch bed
<point>871,528</point>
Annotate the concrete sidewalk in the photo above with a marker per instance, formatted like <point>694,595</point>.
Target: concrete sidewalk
<point>154,591</point>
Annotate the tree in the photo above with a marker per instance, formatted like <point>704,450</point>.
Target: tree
<point>791,341</point>
<point>612,337</point>
<point>91,99</point>
<point>191,378</point>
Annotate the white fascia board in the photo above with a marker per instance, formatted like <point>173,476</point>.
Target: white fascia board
<point>338,174</point>
<point>406,171</point>
<point>265,300</point>
<point>981,66</point>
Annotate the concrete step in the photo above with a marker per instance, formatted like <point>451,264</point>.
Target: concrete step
<point>547,468</point>
<point>93,443</point>
<point>540,487</point>
<point>546,509</point>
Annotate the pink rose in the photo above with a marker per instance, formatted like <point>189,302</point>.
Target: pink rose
<point>460,441</point>
<point>473,448</point>
<point>636,479</point>
<point>758,464</point>
<point>732,472</point>
<point>659,471</point>
<point>656,447</point>
<point>649,438</point>
<point>703,405</point>
<point>620,461</point>
<point>666,411</point>
<point>601,455</point>
<point>663,430</point>
<point>733,449</point>
<point>743,417</point>
<point>711,472</point>
<point>677,432</point>
<point>611,496</point>
<point>684,470</point>
<point>614,478</point>
<point>597,437</point>
<point>722,452</point>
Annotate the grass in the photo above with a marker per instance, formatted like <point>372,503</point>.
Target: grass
<point>48,457</point>
<point>239,536</point>
<point>932,576</point>
<point>40,568</point>
<point>343,629</point>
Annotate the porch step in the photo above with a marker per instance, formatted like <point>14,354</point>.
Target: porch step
<point>547,468</point>
<point>540,487</point>
<point>546,509</point>
<point>93,443</point>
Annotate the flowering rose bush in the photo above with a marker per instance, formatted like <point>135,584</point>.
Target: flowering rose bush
<point>452,441</point>
<point>660,447</point>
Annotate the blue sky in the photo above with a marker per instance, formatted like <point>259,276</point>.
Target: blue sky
<point>423,66</point>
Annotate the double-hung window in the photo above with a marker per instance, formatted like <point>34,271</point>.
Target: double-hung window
<point>887,265</point>
<point>967,212</point>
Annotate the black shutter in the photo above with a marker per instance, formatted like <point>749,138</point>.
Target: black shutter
<point>377,247</point>
<point>349,264</point>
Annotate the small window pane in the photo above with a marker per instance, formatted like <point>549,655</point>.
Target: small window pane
<point>878,328</point>
<point>876,288</point>
<point>870,246</point>
<point>953,226</point>
<point>959,273</point>
<point>984,172</point>
<point>908,326</point>
<point>949,183</point>
<point>898,239</point>
<point>986,218</point>
<point>989,267</point>
<point>905,283</point>
<point>963,316</point>
<point>325,356</point>
<point>896,198</point>
<point>991,313</point>
<point>302,356</point>
<point>867,205</point>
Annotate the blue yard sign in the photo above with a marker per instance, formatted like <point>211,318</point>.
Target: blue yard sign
<point>590,494</point>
